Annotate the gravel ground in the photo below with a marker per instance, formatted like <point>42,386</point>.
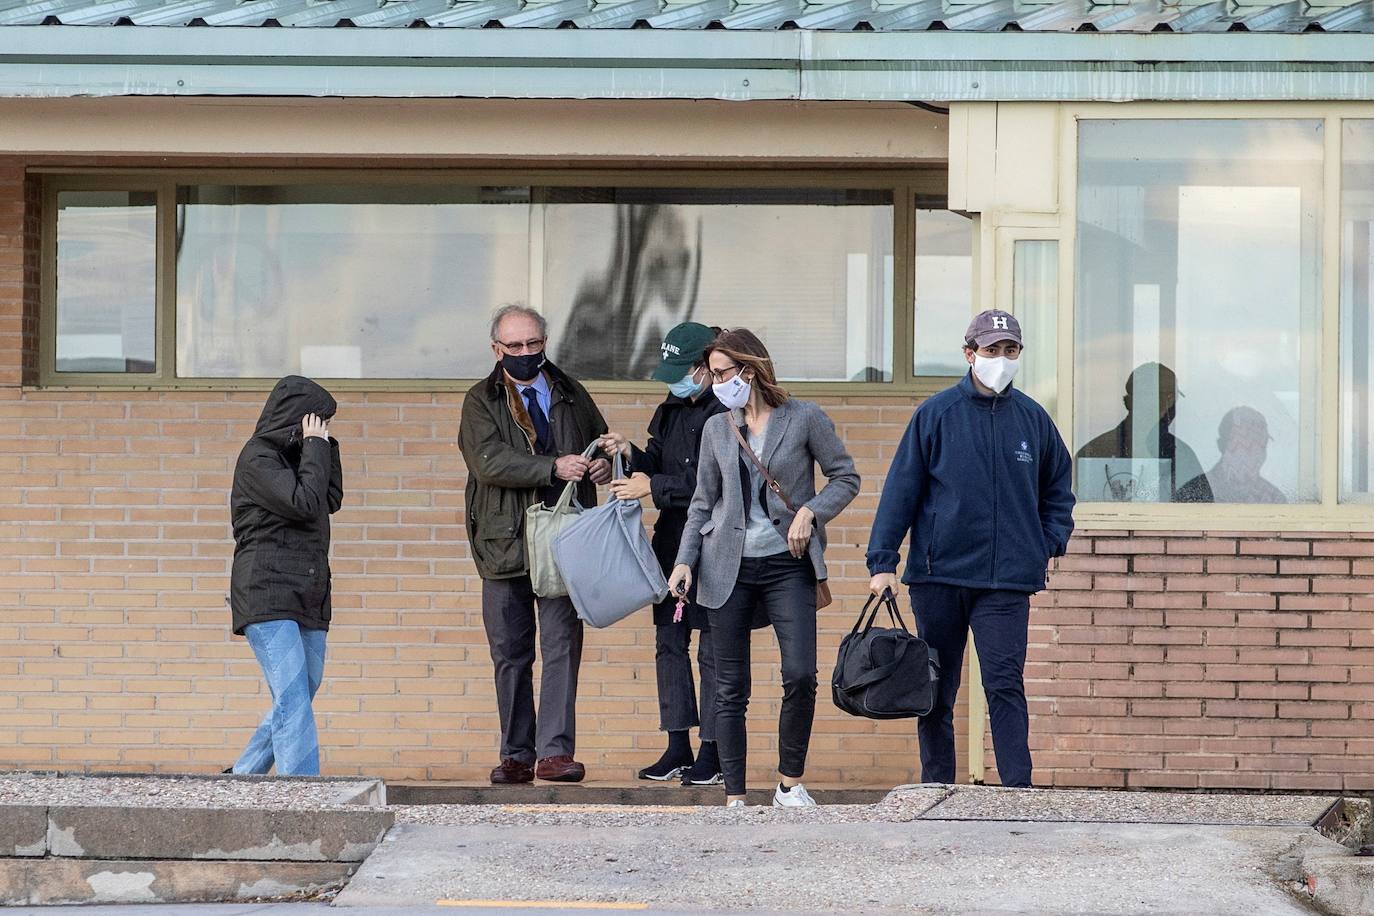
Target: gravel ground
<point>899,808</point>
<point>177,791</point>
<point>996,804</point>
<point>907,803</point>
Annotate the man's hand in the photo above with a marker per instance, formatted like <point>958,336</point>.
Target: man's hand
<point>799,535</point>
<point>883,582</point>
<point>315,427</point>
<point>636,486</point>
<point>571,467</point>
<point>615,442</point>
<point>681,580</point>
<point>599,470</point>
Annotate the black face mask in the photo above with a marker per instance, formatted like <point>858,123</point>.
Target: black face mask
<point>523,368</point>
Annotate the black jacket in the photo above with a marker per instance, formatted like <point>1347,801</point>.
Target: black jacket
<point>505,476</point>
<point>285,488</point>
<point>670,460</point>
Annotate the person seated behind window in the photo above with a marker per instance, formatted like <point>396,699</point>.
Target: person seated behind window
<point>1153,389</point>
<point>1243,440</point>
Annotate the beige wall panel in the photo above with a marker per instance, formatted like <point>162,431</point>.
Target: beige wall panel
<point>1027,156</point>
<point>972,155</point>
<point>481,129</point>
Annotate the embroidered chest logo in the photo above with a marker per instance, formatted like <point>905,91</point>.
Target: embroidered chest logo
<point>1023,454</point>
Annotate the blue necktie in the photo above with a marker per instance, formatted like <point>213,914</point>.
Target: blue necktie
<point>537,417</point>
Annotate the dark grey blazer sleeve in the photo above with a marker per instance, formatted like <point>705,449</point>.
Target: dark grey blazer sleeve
<point>842,481</point>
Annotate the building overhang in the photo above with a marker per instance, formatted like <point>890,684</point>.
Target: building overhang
<point>57,61</point>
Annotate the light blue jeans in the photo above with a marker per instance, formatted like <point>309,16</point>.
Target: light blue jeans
<point>292,658</point>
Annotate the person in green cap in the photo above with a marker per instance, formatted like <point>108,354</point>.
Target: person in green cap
<point>666,469</point>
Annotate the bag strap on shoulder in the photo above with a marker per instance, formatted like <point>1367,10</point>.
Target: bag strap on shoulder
<point>767,477</point>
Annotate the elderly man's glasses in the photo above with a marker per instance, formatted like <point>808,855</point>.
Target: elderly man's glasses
<point>520,347</point>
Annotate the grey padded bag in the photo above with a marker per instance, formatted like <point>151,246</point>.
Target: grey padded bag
<point>607,562</point>
<point>542,524</point>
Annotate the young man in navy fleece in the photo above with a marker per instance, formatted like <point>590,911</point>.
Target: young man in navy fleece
<point>982,480</point>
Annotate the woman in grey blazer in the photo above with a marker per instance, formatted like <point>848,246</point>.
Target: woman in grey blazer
<point>757,562</point>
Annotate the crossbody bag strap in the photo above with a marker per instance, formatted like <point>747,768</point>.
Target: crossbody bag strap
<point>767,477</point>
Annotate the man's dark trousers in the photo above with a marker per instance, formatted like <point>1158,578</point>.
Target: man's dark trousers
<point>944,616</point>
<point>508,612</point>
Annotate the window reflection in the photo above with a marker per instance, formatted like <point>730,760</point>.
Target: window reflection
<point>345,282</point>
<point>944,290</point>
<point>1357,308</point>
<point>397,282</point>
<point>810,271</point>
<point>106,281</point>
<point>1198,294</point>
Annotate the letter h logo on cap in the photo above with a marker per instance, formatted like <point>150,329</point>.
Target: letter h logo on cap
<point>999,321</point>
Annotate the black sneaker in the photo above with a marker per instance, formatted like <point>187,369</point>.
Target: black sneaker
<point>666,769</point>
<point>703,773</point>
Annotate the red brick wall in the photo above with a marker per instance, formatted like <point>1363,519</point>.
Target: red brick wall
<point>1217,660</point>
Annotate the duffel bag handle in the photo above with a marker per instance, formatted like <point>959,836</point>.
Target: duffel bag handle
<point>887,600</point>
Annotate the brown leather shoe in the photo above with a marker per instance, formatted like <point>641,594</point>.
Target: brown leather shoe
<point>560,769</point>
<point>512,772</point>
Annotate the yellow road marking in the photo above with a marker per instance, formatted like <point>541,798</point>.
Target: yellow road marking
<point>596,809</point>
<point>543,904</point>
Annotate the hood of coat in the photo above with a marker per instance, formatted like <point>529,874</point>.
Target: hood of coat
<point>291,399</point>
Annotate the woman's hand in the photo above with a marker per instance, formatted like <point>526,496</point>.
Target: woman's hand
<point>636,486</point>
<point>314,426</point>
<point>799,535</point>
<point>615,442</point>
<point>681,580</point>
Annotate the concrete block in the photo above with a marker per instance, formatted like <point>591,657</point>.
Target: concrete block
<point>1342,885</point>
<point>337,835</point>
<point>34,882</point>
<point>23,830</point>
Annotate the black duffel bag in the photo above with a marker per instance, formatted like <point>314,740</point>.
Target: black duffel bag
<point>884,672</point>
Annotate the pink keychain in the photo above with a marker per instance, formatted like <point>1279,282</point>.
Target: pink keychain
<point>677,613</point>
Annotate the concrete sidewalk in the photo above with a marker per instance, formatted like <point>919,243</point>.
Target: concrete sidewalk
<point>938,850</point>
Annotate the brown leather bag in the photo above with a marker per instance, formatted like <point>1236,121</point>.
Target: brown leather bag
<point>823,596</point>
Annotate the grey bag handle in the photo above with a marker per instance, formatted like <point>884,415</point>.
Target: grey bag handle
<point>565,498</point>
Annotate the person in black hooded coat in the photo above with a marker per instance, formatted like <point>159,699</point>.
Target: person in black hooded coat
<point>287,482</point>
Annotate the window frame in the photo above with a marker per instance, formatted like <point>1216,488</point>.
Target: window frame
<point>1327,514</point>
<point>904,185</point>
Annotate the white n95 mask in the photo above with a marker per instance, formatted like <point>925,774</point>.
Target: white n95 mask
<point>995,371</point>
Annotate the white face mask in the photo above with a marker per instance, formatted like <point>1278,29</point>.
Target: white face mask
<point>996,371</point>
<point>734,393</point>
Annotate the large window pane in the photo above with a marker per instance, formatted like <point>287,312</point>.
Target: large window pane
<point>1357,309</point>
<point>1198,311</point>
<point>944,291</point>
<point>106,281</point>
<point>397,282</point>
<point>810,271</point>
<point>345,282</point>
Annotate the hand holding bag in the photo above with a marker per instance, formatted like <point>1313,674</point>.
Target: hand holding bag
<point>607,563</point>
<point>884,672</point>
<point>823,596</point>
<point>542,525</point>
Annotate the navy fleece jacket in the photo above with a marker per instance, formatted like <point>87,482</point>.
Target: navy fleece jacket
<point>984,486</point>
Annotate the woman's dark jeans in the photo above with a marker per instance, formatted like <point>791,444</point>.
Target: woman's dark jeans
<point>783,589</point>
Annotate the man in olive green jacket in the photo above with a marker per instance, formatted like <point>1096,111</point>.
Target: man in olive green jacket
<point>522,433</point>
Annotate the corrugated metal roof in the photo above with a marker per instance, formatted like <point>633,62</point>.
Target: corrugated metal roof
<point>841,15</point>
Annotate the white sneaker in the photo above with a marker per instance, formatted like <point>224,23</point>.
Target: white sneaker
<point>737,803</point>
<point>795,797</point>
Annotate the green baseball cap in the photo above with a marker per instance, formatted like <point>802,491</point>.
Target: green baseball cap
<point>682,349</point>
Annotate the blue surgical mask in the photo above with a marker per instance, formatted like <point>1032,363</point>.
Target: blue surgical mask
<point>687,387</point>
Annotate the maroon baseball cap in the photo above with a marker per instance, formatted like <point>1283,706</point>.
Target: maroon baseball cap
<point>993,326</point>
